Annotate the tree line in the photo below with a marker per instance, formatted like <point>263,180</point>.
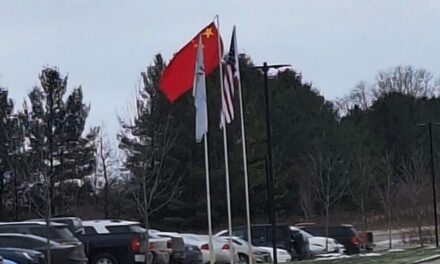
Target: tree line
<point>365,154</point>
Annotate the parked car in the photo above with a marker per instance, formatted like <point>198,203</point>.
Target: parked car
<point>283,255</point>
<point>193,255</point>
<point>23,256</point>
<point>296,244</point>
<point>242,248</point>
<point>74,224</point>
<point>175,246</point>
<point>60,253</point>
<point>319,244</point>
<point>346,235</point>
<point>58,232</point>
<point>221,248</point>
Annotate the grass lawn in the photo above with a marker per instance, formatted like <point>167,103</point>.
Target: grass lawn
<point>408,256</point>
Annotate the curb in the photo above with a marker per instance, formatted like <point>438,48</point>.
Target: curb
<point>423,260</point>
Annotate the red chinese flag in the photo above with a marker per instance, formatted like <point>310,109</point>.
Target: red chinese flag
<point>178,77</point>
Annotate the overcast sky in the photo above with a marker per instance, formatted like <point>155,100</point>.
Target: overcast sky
<point>103,45</point>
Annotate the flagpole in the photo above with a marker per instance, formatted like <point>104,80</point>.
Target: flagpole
<point>208,186</point>
<point>225,147</point>
<point>243,141</point>
<point>208,200</point>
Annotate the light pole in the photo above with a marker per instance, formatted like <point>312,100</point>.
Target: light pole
<point>269,174</point>
<point>434,195</point>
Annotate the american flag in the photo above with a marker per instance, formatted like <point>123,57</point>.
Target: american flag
<point>231,76</point>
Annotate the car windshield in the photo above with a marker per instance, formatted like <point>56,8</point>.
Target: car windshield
<point>305,234</point>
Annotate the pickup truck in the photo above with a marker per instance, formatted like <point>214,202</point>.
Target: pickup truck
<point>161,250</point>
<point>122,248</point>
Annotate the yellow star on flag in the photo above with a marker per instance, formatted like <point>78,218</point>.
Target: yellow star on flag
<point>208,32</point>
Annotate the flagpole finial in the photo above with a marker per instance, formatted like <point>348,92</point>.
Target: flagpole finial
<point>217,21</point>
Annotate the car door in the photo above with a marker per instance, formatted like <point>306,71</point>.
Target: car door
<point>17,242</point>
<point>259,236</point>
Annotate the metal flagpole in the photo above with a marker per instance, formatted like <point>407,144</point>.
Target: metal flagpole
<point>225,146</point>
<point>243,140</point>
<point>208,200</point>
<point>208,187</point>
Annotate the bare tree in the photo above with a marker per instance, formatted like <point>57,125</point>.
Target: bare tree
<point>148,141</point>
<point>361,96</point>
<point>330,180</point>
<point>405,80</point>
<point>387,190</point>
<point>360,184</point>
<point>414,183</point>
<point>105,160</point>
<point>306,195</point>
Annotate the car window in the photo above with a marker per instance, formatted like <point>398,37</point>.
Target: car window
<point>316,231</point>
<point>136,229</point>
<point>281,233</point>
<point>353,230</point>
<point>125,229</point>
<point>152,235</point>
<point>305,234</point>
<point>8,230</point>
<point>56,233</point>
<point>90,230</point>
<point>259,234</point>
<point>118,229</point>
<point>18,242</point>
<point>338,231</point>
<point>237,242</point>
<point>237,233</point>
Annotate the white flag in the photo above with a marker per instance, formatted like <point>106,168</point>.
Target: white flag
<point>199,93</point>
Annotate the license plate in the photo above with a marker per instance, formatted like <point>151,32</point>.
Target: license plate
<point>139,258</point>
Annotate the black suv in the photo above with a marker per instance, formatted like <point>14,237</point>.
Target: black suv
<point>295,243</point>
<point>60,253</point>
<point>347,235</point>
<point>58,232</point>
<point>74,224</point>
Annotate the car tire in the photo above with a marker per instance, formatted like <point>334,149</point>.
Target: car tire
<point>152,257</point>
<point>105,258</point>
<point>243,259</point>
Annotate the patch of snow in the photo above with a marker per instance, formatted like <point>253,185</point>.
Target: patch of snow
<point>386,242</point>
<point>370,255</point>
<point>331,256</point>
<point>396,250</point>
<point>325,255</point>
